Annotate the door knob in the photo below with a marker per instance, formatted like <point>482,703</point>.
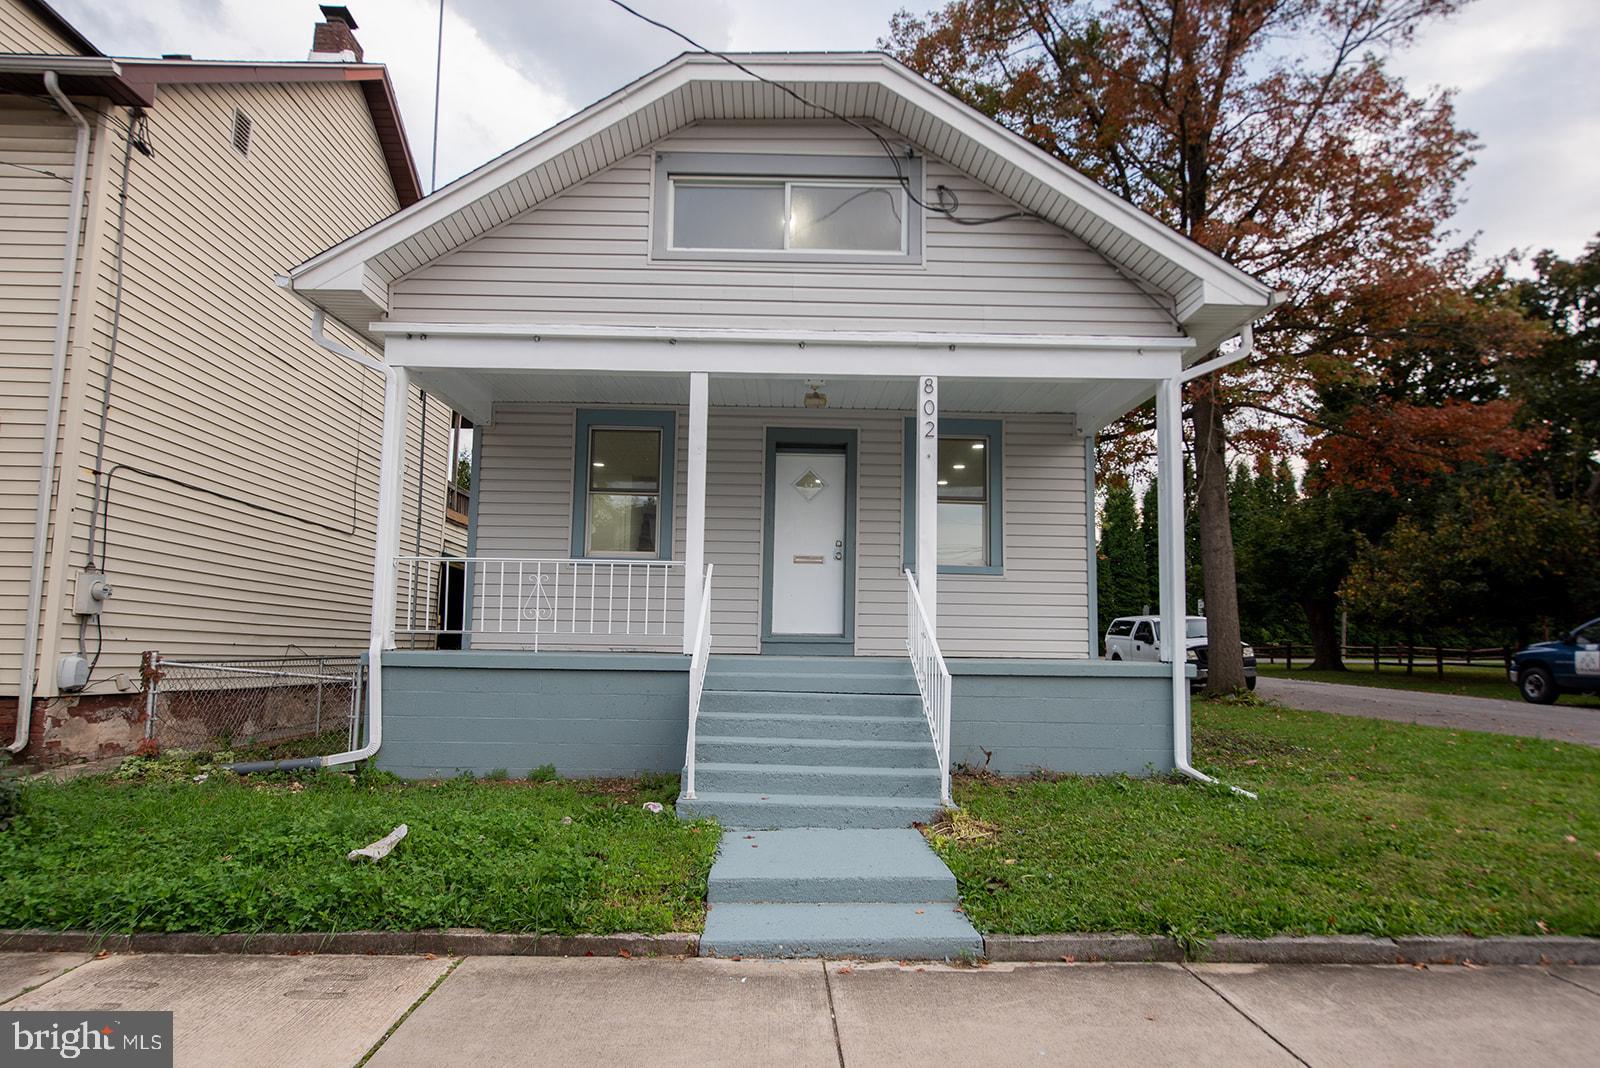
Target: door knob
<point>838,554</point>
<point>838,544</point>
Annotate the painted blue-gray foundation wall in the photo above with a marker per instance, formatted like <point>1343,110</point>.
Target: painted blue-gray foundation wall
<point>1085,717</point>
<point>602,714</point>
<point>589,714</point>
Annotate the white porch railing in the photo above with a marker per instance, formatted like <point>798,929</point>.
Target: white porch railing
<point>933,680</point>
<point>627,603</point>
<point>699,658</point>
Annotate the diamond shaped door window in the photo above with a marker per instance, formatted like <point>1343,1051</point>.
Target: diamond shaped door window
<point>809,484</point>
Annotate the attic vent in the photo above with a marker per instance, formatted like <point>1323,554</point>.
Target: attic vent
<point>241,132</point>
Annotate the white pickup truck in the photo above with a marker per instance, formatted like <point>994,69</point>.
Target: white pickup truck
<point>1139,638</point>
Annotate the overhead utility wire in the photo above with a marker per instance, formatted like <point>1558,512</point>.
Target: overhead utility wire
<point>947,203</point>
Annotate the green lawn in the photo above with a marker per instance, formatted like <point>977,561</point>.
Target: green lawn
<point>231,855</point>
<point>1362,827</point>
<point>1467,681</point>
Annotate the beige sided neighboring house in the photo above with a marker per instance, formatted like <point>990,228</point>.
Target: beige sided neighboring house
<point>225,463</point>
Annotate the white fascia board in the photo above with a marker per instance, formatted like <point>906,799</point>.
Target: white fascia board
<point>609,351</point>
<point>341,275</point>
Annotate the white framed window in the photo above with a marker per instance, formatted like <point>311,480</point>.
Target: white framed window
<point>802,215</point>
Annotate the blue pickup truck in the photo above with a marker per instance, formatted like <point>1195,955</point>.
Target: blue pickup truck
<point>1570,664</point>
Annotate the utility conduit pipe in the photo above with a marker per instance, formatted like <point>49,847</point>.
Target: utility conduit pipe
<point>52,422</point>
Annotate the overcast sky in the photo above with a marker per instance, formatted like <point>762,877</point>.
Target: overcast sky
<point>1527,71</point>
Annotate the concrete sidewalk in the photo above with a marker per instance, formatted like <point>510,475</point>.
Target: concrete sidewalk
<point>489,1011</point>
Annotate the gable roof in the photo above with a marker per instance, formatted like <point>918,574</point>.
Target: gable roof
<point>63,29</point>
<point>1210,297</point>
<point>148,75</point>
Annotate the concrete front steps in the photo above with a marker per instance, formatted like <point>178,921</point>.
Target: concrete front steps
<point>812,742</point>
<point>830,892</point>
<point>819,767</point>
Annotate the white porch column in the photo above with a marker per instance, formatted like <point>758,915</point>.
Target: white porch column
<point>694,550</point>
<point>927,430</point>
<point>1169,468</point>
<point>391,471</point>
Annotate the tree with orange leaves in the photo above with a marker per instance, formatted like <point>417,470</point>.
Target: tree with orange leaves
<point>1270,131</point>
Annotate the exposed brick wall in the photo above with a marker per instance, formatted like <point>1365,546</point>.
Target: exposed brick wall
<point>88,727</point>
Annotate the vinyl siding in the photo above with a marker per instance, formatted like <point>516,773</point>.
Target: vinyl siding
<point>244,456</point>
<point>583,257</point>
<point>33,227</point>
<point>23,31</point>
<point>1037,608</point>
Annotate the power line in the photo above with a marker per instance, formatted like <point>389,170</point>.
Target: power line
<point>35,170</point>
<point>947,202</point>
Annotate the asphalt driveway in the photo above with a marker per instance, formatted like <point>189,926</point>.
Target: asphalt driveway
<point>1563,723</point>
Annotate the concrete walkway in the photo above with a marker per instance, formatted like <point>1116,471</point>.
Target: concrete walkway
<point>1562,723</point>
<point>489,1011</point>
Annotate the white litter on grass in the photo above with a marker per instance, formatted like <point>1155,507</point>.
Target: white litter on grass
<point>566,820</point>
<point>381,848</point>
<point>202,777</point>
<point>653,806</point>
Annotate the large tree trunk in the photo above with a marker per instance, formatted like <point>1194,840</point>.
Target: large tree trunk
<point>1322,614</point>
<point>1224,658</point>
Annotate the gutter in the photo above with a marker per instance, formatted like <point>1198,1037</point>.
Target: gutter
<point>26,681</point>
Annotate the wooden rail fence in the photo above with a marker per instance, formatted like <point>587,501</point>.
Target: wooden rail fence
<point>1410,657</point>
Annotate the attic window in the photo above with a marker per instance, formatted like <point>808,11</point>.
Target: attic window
<point>814,215</point>
<point>783,207</point>
<point>241,132</point>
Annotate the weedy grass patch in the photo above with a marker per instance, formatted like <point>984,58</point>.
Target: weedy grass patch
<point>1362,827</point>
<point>157,851</point>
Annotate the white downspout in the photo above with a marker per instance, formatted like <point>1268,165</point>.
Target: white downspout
<point>386,543</point>
<point>1169,481</point>
<point>52,423</point>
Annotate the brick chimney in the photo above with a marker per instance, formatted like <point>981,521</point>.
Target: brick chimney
<point>333,41</point>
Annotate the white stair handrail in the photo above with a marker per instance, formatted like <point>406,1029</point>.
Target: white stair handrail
<point>933,680</point>
<point>699,658</point>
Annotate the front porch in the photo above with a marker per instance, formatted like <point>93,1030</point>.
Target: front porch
<point>631,518</point>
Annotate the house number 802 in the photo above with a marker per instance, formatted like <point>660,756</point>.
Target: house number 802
<point>930,409</point>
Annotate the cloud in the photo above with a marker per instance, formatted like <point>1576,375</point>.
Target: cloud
<point>1525,70</point>
<point>1527,84</point>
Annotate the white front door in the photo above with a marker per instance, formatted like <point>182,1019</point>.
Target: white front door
<point>808,543</point>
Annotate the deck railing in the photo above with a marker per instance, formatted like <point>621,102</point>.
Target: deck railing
<point>528,601</point>
<point>933,680</point>
<point>699,658</point>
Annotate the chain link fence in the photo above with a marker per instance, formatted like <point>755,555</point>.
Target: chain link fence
<point>260,707</point>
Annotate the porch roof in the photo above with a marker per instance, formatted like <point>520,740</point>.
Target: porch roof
<point>1210,298</point>
<point>473,368</point>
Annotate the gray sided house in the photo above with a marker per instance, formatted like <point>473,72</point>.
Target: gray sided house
<point>784,449</point>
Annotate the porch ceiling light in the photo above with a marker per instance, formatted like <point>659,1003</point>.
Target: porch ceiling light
<point>815,398</point>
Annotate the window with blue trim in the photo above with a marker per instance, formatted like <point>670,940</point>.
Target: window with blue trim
<point>622,484</point>
<point>971,518</point>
